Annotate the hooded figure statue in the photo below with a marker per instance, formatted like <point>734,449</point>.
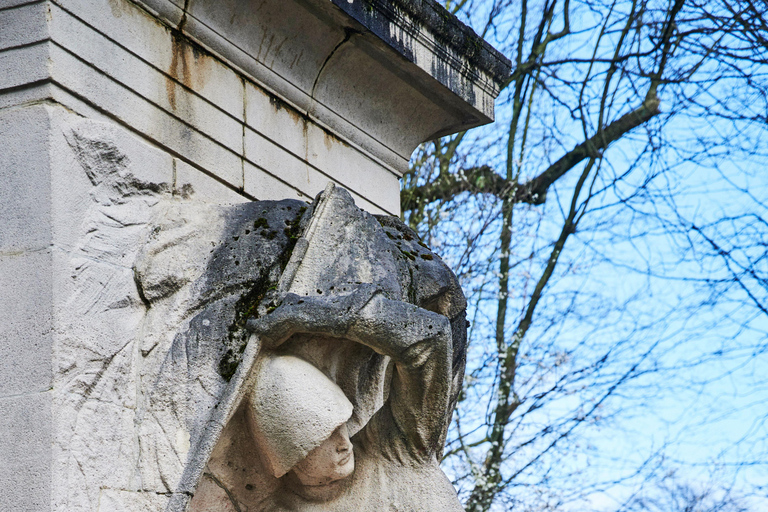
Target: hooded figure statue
<point>293,409</point>
<point>392,462</point>
<point>317,357</point>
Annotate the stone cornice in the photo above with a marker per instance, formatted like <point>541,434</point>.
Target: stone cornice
<point>449,38</point>
<point>383,75</point>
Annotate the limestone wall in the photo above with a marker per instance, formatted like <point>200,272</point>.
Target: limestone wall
<point>26,310</point>
<point>115,61</point>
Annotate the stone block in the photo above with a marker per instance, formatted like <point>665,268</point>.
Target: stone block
<point>21,66</point>
<point>25,453</point>
<point>353,169</point>
<point>193,85</point>
<point>80,147</point>
<point>264,186</point>
<point>275,167</point>
<point>25,323</point>
<point>24,179</point>
<point>274,119</point>
<point>272,123</point>
<point>415,119</point>
<point>30,94</point>
<point>295,50</point>
<point>289,167</point>
<point>8,4</point>
<point>170,11</point>
<point>204,187</point>
<point>23,25</point>
<point>128,25</point>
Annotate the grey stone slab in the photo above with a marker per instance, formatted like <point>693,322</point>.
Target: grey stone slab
<point>347,163</point>
<point>392,110</point>
<point>23,25</point>
<point>354,169</point>
<point>288,167</point>
<point>33,93</point>
<point>169,11</point>
<point>264,186</point>
<point>25,323</point>
<point>24,179</point>
<point>427,16</point>
<point>192,181</point>
<point>301,180</point>
<point>21,66</point>
<point>25,453</point>
<point>262,29</point>
<point>277,120</point>
<point>304,51</point>
<point>301,100</point>
<point>129,25</point>
<point>10,4</point>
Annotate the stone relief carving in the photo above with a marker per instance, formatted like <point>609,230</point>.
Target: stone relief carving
<point>171,309</point>
<point>318,369</point>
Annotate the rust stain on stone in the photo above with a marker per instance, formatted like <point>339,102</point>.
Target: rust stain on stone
<point>190,66</point>
<point>279,104</point>
<point>329,140</point>
<point>177,58</point>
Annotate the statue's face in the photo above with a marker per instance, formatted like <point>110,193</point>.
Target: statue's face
<point>331,461</point>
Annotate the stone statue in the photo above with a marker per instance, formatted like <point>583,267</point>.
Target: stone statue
<point>300,416</point>
<point>318,355</point>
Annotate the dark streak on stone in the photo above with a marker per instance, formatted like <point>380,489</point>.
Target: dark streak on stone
<point>281,224</point>
<point>231,497</point>
<point>376,15</point>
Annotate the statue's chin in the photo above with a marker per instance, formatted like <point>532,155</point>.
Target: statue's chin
<point>318,493</point>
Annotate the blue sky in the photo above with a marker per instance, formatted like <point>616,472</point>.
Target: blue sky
<point>642,281</point>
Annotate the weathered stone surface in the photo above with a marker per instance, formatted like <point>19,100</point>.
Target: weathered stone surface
<point>153,288</point>
<point>379,16</point>
<point>202,381</point>
<point>190,180</point>
<point>396,449</point>
<point>25,173</point>
<point>22,26</point>
<point>26,322</point>
<point>106,187</point>
<point>25,452</point>
<point>120,500</point>
<point>341,62</point>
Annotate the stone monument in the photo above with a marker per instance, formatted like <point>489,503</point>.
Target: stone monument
<point>206,303</point>
<point>361,336</point>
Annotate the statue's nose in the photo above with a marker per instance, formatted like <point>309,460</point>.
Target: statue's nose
<point>343,444</point>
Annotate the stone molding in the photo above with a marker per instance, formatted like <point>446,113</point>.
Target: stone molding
<point>399,49</point>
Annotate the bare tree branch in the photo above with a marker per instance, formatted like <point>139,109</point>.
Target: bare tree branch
<point>484,180</point>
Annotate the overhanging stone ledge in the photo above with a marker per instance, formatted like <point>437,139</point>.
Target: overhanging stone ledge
<point>342,64</point>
